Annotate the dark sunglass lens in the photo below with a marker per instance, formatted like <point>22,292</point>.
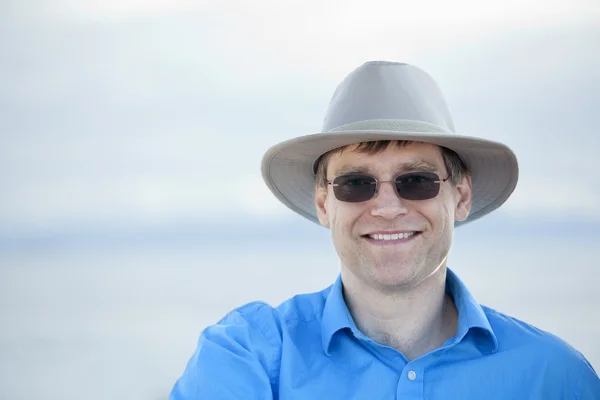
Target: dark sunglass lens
<point>354,188</point>
<point>418,185</point>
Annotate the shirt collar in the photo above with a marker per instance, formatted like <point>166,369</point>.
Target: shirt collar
<point>471,316</point>
<point>336,315</point>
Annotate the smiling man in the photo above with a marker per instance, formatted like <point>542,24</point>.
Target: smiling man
<point>390,179</point>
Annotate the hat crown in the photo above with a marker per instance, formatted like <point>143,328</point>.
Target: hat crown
<point>381,90</point>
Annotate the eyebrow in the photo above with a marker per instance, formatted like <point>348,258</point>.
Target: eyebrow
<point>418,165</point>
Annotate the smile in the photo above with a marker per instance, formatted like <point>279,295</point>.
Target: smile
<point>393,236</point>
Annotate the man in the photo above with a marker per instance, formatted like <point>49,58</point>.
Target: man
<point>390,178</point>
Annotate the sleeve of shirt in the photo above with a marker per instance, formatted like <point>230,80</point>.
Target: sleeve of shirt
<point>236,358</point>
<point>589,383</point>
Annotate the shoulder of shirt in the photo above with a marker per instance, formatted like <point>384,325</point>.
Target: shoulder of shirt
<point>513,333</point>
<point>306,307</point>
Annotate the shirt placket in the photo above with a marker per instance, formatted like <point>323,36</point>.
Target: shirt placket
<point>410,383</point>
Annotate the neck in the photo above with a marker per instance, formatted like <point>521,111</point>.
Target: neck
<point>412,320</point>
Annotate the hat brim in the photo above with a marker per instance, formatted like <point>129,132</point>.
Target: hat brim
<point>287,168</point>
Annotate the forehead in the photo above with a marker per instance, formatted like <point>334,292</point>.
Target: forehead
<point>413,154</point>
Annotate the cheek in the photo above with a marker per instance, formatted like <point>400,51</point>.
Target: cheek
<point>331,208</point>
<point>448,212</point>
<point>448,216</point>
<point>342,217</point>
<point>440,215</point>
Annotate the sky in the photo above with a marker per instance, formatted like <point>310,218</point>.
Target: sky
<point>149,114</point>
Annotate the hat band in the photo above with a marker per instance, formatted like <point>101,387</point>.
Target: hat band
<point>399,125</point>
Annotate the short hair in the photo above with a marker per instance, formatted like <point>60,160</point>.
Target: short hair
<point>453,162</point>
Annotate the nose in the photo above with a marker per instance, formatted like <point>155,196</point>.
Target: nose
<point>386,203</point>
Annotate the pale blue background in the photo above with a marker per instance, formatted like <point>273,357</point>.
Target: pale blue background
<point>132,211</point>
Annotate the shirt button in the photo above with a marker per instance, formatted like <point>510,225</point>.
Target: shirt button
<point>412,375</point>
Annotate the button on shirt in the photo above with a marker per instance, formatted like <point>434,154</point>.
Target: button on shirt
<point>310,348</point>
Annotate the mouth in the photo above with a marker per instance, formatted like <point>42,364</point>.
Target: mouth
<point>391,237</point>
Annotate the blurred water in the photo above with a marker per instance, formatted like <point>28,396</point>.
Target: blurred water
<point>113,322</point>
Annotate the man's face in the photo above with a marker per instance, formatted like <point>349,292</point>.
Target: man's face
<point>404,262</point>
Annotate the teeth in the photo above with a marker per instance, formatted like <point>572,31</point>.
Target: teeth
<point>395,236</point>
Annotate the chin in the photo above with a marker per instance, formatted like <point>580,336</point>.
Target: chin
<point>392,275</point>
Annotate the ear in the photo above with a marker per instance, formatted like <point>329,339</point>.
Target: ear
<point>321,205</point>
<point>464,193</point>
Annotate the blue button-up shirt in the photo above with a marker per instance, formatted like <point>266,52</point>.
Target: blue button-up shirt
<point>310,348</point>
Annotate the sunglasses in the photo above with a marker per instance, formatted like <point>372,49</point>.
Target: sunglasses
<point>354,188</point>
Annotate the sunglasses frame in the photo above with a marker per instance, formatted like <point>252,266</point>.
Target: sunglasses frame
<point>377,184</point>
